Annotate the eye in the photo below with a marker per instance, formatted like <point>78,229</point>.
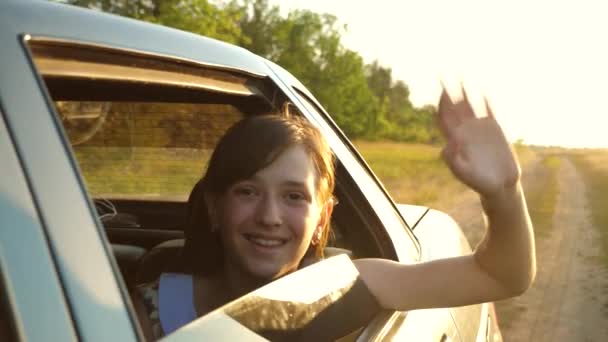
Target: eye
<point>295,196</point>
<point>245,191</point>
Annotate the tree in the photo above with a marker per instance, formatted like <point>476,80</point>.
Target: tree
<point>364,100</point>
<point>197,16</point>
<point>259,23</point>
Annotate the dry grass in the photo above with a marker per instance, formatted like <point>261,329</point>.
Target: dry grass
<point>542,195</point>
<point>593,164</point>
<point>416,174</point>
<point>412,173</point>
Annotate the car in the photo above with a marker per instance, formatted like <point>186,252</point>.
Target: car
<point>106,124</point>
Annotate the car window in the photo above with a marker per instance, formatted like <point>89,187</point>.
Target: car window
<point>141,140</point>
<point>143,149</point>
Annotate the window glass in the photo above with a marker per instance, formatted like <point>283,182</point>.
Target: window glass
<point>143,149</point>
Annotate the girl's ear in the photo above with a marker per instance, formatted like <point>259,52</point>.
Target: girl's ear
<point>326,212</point>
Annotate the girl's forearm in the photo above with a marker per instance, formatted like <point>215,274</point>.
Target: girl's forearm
<point>507,252</point>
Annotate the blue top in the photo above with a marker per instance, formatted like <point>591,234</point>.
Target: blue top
<point>175,301</point>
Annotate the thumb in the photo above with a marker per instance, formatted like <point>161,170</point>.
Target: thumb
<point>456,162</point>
<point>461,167</point>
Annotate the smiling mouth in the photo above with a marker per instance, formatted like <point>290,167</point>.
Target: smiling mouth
<point>265,241</point>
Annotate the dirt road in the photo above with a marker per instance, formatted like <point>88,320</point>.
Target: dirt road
<point>569,299</point>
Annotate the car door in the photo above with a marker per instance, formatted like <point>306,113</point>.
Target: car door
<point>76,101</point>
<point>473,321</point>
<point>32,304</point>
<point>83,102</point>
<point>96,301</point>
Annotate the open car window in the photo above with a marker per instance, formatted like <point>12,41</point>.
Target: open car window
<point>141,128</point>
<point>140,131</point>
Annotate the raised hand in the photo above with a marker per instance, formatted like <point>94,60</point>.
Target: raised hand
<point>477,151</point>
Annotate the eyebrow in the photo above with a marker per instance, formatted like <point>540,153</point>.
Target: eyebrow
<point>289,182</point>
<point>295,183</point>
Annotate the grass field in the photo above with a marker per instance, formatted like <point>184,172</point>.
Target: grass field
<point>594,167</point>
<point>413,173</point>
<point>416,174</point>
<point>141,172</point>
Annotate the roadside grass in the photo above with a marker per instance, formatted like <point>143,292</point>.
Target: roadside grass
<point>416,174</point>
<point>541,196</point>
<point>525,155</point>
<point>412,173</point>
<point>593,165</point>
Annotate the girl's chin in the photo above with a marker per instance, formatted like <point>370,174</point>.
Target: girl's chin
<point>267,271</point>
<point>267,274</point>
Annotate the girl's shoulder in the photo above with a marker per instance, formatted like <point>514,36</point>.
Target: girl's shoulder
<point>150,298</point>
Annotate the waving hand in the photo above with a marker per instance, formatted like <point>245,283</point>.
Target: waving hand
<point>477,151</point>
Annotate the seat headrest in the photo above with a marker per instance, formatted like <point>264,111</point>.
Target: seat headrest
<point>161,258</point>
<point>128,257</point>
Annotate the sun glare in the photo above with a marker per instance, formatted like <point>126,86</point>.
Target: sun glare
<point>542,64</point>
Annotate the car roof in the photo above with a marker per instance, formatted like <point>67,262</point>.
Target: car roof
<point>45,19</point>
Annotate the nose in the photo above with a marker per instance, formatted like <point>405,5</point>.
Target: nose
<point>269,212</point>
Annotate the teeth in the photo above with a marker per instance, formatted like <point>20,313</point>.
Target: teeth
<point>265,242</point>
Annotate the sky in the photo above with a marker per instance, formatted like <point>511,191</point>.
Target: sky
<point>543,65</point>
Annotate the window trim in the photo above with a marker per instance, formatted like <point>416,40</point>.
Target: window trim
<point>51,67</point>
<point>45,39</point>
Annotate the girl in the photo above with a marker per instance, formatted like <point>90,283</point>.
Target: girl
<point>266,203</point>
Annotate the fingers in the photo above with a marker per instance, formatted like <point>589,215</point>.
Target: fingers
<point>447,119</point>
<point>466,110</point>
<point>453,113</point>
<point>445,102</point>
<point>489,111</point>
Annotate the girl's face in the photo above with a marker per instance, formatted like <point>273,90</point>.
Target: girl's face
<point>267,222</point>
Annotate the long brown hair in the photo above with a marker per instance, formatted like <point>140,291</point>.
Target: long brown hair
<point>247,147</point>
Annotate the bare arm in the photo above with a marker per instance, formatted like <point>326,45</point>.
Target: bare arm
<point>503,265</point>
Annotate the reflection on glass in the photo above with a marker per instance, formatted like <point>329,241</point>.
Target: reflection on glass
<point>321,302</point>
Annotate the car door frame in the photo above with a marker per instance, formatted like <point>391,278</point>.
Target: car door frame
<point>88,274</point>
<point>32,292</point>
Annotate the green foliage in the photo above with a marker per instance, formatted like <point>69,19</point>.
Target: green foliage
<point>364,100</point>
<point>197,16</point>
